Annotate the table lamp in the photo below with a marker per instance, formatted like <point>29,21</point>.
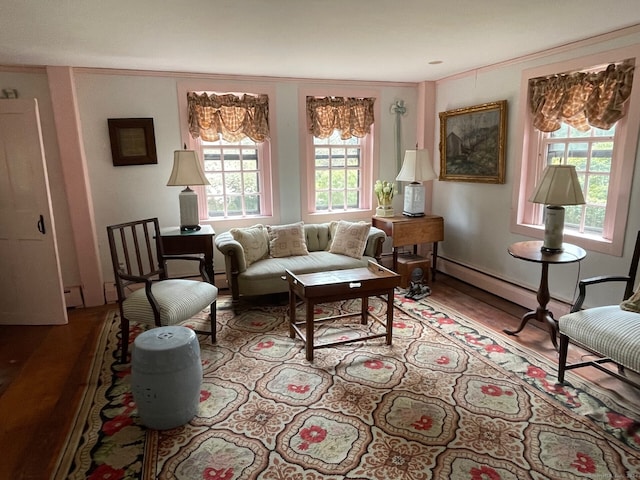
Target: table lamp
<point>187,171</point>
<point>416,168</point>
<point>559,186</point>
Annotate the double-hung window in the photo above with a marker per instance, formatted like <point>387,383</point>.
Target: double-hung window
<point>231,134</point>
<point>590,152</point>
<point>338,173</point>
<point>235,172</point>
<point>339,168</point>
<point>582,117</point>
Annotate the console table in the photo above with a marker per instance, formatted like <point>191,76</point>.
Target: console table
<point>406,231</point>
<point>531,252</point>
<point>177,242</point>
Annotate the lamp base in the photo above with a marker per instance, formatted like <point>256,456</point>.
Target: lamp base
<point>413,200</point>
<point>553,229</point>
<point>551,250</point>
<point>189,210</point>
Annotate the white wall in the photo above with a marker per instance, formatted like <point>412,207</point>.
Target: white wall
<point>477,216</point>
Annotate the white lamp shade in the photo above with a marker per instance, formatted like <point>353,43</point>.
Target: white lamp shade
<point>559,186</point>
<point>417,167</point>
<point>187,169</point>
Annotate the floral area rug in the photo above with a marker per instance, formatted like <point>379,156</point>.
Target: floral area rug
<point>449,399</point>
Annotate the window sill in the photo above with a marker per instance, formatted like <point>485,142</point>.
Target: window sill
<point>591,243</point>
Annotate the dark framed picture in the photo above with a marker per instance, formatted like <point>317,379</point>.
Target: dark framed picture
<point>133,141</point>
<point>472,143</point>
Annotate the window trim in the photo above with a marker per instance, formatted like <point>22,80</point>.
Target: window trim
<point>270,172</point>
<point>370,150</point>
<point>623,159</point>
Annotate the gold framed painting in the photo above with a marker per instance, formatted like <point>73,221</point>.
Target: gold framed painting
<point>472,143</point>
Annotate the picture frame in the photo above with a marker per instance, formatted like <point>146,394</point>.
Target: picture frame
<point>133,141</point>
<point>473,142</point>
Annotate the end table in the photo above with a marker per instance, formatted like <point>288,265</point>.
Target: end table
<point>406,231</point>
<point>177,242</point>
<point>531,252</point>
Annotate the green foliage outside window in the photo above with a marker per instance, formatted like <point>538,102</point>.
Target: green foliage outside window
<point>590,152</point>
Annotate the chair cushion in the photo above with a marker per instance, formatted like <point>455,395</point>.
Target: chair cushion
<point>609,331</point>
<point>179,300</point>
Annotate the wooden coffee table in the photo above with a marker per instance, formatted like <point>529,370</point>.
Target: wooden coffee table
<point>335,285</point>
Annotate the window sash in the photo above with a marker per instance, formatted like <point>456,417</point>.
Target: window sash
<point>228,162</point>
<point>344,160</point>
<point>582,150</point>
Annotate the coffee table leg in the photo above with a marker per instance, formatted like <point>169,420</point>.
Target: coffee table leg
<point>389,316</point>
<point>309,331</point>
<point>365,310</point>
<point>292,313</point>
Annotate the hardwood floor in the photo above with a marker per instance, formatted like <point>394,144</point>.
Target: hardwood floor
<point>44,368</point>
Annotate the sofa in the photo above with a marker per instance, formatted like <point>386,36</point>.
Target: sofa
<point>256,257</point>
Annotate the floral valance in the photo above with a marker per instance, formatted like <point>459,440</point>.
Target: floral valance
<point>229,115</point>
<point>353,117</point>
<point>581,99</point>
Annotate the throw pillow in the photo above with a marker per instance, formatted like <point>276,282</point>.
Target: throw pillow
<point>632,304</point>
<point>254,241</point>
<point>287,240</point>
<point>350,238</point>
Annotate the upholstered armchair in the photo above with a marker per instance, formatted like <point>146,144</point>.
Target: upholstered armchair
<point>145,294</point>
<point>611,333</point>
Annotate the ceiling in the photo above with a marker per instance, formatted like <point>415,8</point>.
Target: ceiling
<point>379,40</point>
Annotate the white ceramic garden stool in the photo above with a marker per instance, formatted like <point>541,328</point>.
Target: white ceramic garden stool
<point>166,376</point>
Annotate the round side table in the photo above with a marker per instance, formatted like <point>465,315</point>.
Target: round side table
<point>532,252</point>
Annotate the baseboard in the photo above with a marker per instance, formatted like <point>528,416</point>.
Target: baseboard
<point>523,296</point>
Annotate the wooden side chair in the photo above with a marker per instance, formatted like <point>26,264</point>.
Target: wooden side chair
<point>145,294</point>
<point>611,333</point>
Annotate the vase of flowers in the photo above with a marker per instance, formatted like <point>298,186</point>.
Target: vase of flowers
<point>384,193</point>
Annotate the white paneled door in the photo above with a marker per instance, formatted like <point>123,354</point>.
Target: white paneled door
<point>31,290</point>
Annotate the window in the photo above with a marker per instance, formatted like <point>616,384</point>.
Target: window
<point>236,175</point>
<point>231,133</point>
<point>604,157</point>
<point>338,173</point>
<point>339,166</point>
<point>590,152</point>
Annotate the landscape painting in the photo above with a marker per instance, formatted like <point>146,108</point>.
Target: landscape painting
<point>472,143</point>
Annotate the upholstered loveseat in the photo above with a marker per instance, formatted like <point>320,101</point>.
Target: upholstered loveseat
<point>256,257</point>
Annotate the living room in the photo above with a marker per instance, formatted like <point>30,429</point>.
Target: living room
<point>474,213</point>
<point>480,219</point>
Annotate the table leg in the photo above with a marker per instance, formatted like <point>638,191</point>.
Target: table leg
<point>292,313</point>
<point>389,316</point>
<point>395,259</point>
<point>208,267</point>
<point>309,331</point>
<point>434,259</point>
<point>365,310</point>
<point>540,313</point>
